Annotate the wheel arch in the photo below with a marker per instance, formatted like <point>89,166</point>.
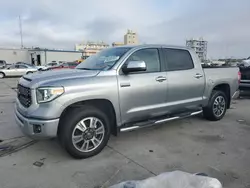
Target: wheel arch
<point>3,73</point>
<point>104,105</point>
<point>224,87</point>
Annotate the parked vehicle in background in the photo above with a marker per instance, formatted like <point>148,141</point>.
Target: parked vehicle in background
<point>52,64</point>
<point>17,70</point>
<point>245,76</point>
<point>120,89</point>
<point>20,62</point>
<point>61,62</point>
<point>2,64</point>
<point>48,66</point>
<point>28,64</point>
<point>68,65</point>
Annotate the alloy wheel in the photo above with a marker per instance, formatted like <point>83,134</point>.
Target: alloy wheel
<point>219,106</point>
<point>88,134</point>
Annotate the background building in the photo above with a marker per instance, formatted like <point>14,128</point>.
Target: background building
<point>90,48</point>
<point>12,55</point>
<point>199,46</point>
<point>131,38</point>
<point>44,56</point>
<point>38,56</point>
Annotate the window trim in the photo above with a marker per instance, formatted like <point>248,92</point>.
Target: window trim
<point>120,72</point>
<point>166,62</point>
<point>21,67</point>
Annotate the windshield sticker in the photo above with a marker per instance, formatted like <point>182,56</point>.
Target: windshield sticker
<point>111,58</point>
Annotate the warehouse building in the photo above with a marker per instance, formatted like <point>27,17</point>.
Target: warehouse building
<point>14,55</point>
<point>38,56</point>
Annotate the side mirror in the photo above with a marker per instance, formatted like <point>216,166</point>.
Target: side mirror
<point>134,66</point>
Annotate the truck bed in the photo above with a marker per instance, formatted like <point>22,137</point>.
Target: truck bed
<point>216,76</point>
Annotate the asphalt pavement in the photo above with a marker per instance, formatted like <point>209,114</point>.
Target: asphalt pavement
<point>220,149</point>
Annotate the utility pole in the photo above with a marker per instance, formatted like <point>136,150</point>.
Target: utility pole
<point>21,31</point>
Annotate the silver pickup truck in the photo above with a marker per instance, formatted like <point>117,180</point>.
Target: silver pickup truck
<point>121,89</point>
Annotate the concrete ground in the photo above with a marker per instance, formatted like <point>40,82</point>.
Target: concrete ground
<point>220,149</point>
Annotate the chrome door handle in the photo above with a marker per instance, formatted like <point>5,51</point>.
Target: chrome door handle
<point>198,75</point>
<point>161,79</point>
<point>125,84</point>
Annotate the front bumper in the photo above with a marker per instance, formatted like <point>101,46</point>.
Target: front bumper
<point>48,127</point>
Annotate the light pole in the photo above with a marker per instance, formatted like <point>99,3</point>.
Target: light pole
<point>21,31</point>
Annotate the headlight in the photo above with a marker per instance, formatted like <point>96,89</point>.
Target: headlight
<point>47,94</point>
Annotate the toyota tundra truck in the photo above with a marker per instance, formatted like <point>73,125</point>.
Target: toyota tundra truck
<point>121,89</point>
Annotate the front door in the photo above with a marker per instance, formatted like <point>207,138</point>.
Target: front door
<point>143,94</point>
<point>11,71</point>
<point>186,81</point>
<point>21,70</point>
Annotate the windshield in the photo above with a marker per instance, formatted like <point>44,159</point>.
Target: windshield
<point>103,60</point>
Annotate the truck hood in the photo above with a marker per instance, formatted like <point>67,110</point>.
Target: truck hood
<point>41,77</point>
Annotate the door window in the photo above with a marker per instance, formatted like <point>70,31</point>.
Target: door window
<point>149,56</point>
<point>21,67</point>
<point>177,59</point>
<point>12,67</point>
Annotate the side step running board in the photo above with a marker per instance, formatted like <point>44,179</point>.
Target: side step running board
<point>136,126</point>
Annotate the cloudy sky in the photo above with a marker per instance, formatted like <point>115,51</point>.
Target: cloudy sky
<point>62,23</point>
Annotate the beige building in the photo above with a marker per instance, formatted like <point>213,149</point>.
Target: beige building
<point>117,44</point>
<point>131,38</point>
<point>91,48</point>
<point>199,46</point>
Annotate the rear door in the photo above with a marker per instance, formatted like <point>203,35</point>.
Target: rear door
<point>186,80</point>
<point>143,94</point>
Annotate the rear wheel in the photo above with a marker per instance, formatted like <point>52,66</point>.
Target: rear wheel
<point>29,72</point>
<point>2,75</point>
<point>217,106</point>
<point>85,132</point>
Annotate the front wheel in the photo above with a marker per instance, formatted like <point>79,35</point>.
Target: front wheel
<point>85,132</point>
<point>1,75</point>
<point>217,106</point>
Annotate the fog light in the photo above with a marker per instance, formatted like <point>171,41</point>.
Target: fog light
<point>37,128</point>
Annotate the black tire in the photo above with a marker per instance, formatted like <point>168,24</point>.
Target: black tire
<point>2,75</point>
<point>208,111</point>
<point>29,72</point>
<point>68,124</point>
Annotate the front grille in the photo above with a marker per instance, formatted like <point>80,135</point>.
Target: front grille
<point>24,95</point>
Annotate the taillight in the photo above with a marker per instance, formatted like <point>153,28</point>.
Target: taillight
<point>239,76</point>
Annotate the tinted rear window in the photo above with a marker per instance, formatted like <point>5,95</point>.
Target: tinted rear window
<point>177,59</point>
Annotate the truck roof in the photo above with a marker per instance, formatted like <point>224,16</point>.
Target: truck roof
<point>153,45</point>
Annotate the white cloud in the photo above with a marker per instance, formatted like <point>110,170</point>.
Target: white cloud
<point>62,23</point>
